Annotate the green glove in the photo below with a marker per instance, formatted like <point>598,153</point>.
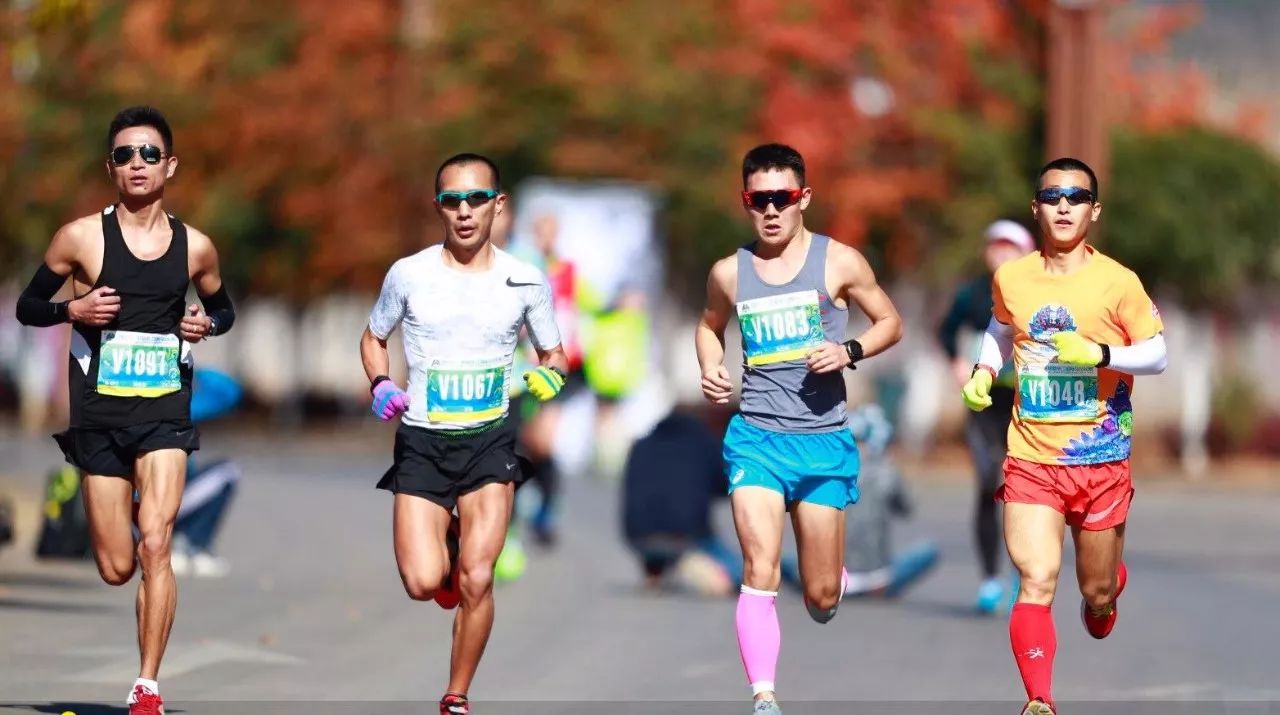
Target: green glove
<point>977,391</point>
<point>1076,350</point>
<point>544,382</point>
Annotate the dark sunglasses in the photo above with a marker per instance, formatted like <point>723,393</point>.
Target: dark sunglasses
<point>760,200</point>
<point>474,199</point>
<point>1074,195</point>
<point>122,155</point>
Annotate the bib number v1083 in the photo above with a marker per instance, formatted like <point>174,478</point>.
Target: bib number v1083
<point>780,328</point>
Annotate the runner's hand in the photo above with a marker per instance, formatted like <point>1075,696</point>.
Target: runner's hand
<point>544,382</point>
<point>389,400</point>
<point>716,386</point>
<point>1076,350</point>
<point>195,325</point>
<point>977,391</point>
<point>96,308</point>
<point>828,357</point>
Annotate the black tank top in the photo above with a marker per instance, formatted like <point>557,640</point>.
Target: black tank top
<point>135,369</point>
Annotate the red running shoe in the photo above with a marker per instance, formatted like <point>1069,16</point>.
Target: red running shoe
<point>144,702</point>
<point>1099,622</point>
<point>449,594</point>
<point>454,704</point>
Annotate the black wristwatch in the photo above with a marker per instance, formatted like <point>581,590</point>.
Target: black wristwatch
<point>1106,355</point>
<point>853,349</point>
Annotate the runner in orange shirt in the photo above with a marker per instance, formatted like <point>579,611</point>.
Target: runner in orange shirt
<point>1079,326</point>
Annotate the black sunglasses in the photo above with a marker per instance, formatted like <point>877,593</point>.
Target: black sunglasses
<point>760,200</point>
<point>150,153</point>
<point>1074,195</point>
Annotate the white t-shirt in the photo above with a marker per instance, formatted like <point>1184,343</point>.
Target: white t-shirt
<point>460,331</point>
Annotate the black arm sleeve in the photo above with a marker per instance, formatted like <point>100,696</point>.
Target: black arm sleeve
<point>219,309</point>
<point>34,308</point>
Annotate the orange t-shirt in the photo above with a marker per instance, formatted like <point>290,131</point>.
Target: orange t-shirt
<point>1065,414</point>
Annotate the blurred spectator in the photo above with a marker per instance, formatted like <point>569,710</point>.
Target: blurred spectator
<point>210,487</point>
<point>671,479</point>
<point>986,431</point>
<point>873,570</point>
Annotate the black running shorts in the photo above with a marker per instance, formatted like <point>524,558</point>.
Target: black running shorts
<point>440,467</point>
<point>112,451</point>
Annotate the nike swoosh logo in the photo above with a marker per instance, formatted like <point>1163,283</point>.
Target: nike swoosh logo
<point>513,284</point>
<point>1099,516</point>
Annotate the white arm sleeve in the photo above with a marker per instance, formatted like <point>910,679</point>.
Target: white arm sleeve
<point>997,345</point>
<point>1149,357</point>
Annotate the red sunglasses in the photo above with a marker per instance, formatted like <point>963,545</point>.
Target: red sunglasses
<point>760,200</point>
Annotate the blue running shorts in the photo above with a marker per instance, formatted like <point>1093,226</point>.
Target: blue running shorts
<point>815,467</point>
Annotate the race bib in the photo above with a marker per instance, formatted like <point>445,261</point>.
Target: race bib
<point>466,390</point>
<point>1058,393</point>
<point>138,364</point>
<point>780,328</point>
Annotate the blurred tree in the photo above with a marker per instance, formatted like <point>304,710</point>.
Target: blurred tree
<point>1196,214</point>
<point>604,90</point>
<point>280,114</point>
<point>309,130</point>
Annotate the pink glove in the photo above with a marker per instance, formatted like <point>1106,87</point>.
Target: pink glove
<point>389,400</point>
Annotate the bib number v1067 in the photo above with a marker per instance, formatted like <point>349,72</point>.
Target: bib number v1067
<point>461,392</point>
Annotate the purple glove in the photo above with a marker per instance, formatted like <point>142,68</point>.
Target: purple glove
<point>389,400</point>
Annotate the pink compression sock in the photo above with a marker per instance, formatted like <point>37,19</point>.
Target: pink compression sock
<point>759,637</point>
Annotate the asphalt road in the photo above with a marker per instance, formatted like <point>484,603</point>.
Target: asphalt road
<point>313,618</point>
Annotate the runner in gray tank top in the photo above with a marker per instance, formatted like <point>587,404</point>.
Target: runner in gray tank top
<point>789,448</point>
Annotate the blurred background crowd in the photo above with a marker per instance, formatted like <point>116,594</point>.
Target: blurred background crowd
<point>308,133</point>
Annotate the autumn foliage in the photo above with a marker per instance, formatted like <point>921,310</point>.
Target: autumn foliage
<point>309,130</point>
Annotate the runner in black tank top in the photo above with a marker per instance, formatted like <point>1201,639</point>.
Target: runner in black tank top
<point>152,301</point>
<point>130,369</point>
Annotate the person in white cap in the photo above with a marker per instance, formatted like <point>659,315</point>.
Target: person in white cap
<point>986,432</point>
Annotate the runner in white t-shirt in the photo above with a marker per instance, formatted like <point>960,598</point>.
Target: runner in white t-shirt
<point>460,307</point>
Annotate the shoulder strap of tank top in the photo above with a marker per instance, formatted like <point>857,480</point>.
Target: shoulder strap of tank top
<point>110,228</point>
<point>814,271</point>
<point>179,229</point>
<point>746,272</point>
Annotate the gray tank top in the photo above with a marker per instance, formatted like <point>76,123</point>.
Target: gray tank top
<point>780,324</point>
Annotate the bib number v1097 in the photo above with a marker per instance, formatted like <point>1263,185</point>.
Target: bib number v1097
<point>132,364</point>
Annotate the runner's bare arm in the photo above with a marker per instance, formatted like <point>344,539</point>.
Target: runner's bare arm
<point>374,355</point>
<point>709,337</point>
<point>554,358</point>
<point>61,260</point>
<point>861,288</point>
<point>219,314</point>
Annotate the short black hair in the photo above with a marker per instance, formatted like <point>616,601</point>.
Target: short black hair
<point>772,156</point>
<point>140,116</point>
<point>470,158</point>
<point>1067,163</point>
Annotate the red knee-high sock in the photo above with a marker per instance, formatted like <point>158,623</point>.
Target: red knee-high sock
<point>1034,643</point>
